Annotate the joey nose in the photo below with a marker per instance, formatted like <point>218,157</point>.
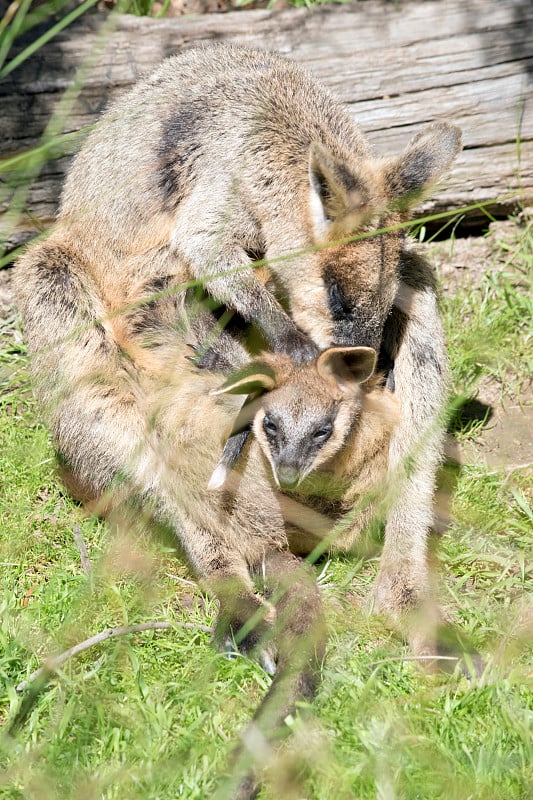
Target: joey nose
<point>288,476</point>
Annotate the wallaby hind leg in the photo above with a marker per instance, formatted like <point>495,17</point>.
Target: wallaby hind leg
<point>300,635</point>
<point>245,618</point>
<point>126,436</point>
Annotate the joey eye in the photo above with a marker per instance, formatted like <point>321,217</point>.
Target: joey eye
<point>323,433</point>
<point>269,426</point>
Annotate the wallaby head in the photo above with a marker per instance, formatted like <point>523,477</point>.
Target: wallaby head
<point>352,199</point>
<point>303,414</point>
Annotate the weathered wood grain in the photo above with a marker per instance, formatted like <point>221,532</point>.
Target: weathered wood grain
<point>396,66</point>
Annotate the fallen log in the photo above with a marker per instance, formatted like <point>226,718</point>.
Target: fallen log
<point>396,66</point>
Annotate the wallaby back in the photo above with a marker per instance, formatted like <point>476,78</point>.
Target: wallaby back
<point>225,153</point>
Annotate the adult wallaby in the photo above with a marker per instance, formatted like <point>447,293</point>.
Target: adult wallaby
<point>224,153</point>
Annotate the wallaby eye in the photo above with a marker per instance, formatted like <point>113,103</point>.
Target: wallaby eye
<point>323,433</point>
<point>270,426</point>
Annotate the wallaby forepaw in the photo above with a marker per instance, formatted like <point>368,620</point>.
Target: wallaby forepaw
<point>203,358</point>
<point>299,346</point>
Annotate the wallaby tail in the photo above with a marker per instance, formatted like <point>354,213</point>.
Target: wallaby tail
<point>300,635</point>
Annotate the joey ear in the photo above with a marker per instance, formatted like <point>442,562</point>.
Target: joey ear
<point>428,155</point>
<point>337,190</point>
<point>347,365</point>
<point>253,378</point>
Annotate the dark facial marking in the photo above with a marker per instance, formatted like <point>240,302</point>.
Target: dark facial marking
<point>338,303</point>
<point>351,325</point>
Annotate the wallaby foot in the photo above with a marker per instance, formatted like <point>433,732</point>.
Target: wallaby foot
<point>244,625</point>
<point>402,594</point>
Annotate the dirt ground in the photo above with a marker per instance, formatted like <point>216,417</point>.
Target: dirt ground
<point>506,438</point>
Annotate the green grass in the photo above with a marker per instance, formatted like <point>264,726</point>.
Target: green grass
<point>490,328</point>
<point>154,715</point>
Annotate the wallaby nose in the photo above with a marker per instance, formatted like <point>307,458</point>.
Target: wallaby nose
<point>288,476</point>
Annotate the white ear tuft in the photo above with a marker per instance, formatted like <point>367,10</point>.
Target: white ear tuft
<point>321,223</point>
<point>218,478</point>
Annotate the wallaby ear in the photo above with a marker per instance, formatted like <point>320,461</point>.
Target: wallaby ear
<point>337,190</point>
<point>427,156</point>
<point>253,378</point>
<point>347,365</point>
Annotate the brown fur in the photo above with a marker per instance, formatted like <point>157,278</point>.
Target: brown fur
<point>223,153</point>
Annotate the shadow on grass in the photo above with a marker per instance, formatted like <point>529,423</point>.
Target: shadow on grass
<point>469,413</point>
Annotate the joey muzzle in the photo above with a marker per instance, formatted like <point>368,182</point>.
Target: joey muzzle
<point>288,476</point>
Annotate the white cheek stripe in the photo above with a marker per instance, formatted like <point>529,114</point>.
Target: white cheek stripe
<point>320,222</point>
<point>218,478</point>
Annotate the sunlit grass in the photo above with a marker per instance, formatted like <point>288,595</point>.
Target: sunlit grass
<point>490,327</point>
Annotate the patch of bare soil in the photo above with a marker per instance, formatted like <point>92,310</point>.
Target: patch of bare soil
<point>462,262</point>
<point>506,440</point>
